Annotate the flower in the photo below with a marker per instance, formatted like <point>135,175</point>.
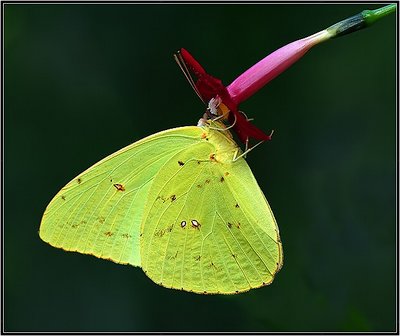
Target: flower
<point>225,101</point>
<point>271,66</point>
<point>211,90</point>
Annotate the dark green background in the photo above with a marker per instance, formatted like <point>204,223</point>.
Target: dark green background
<point>82,81</point>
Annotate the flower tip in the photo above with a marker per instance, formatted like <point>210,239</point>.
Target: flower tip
<point>271,66</point>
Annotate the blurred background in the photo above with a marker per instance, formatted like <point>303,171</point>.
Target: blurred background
<point>82,81</point>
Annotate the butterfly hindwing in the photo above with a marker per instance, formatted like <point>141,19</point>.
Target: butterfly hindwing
<point>207,226</point>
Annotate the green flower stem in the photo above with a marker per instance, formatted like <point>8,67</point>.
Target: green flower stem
<point>371,16</point>
<point>362,20</point>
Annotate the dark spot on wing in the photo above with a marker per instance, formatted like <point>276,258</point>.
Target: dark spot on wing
<point>119,187</point>
<point>237,205</point>
<point>108,233</point>
<point>79,180</point>
<point>198,162</point>
<point>159,233</point>
<point>234,256</point>
<point>238,225</point>
<point>101,219</point>
<point>175,256</point>
<point>226,173</point>
<point>195,224</point>
<point>222,179</point>
<point>126,235</point>
<point>172,256</point>
<point>173,198</point>
<point>162,198</point>
<point>229,225</point>
<point>63,197</point>
<point>199,186</point>
<point>212,156</point>
<point>197,258</point>
<point>180,163</point>
<point>74,225</point>
<point>207,181</point>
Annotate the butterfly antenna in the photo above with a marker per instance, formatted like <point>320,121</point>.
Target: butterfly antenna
<point>235,158</point>
<point>181,62</point>
<point>247,118</point>
<point>234,123</point>
<point>246,148</point>
<point>223,129</point>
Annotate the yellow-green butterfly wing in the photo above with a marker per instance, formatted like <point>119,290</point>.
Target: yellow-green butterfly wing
<point>100,211</point>
<point>179,206</point>
<point>207,226</point>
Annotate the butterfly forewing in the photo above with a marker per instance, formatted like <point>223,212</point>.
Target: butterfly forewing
<point>100,211</point>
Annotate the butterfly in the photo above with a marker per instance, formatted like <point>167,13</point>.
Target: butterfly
<point>182,204</point>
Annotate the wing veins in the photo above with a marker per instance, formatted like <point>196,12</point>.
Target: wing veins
<point>258,236</point>
<point>162,188</point>
<point>202,243</point>
<point>113,222</point>
<point>85,190</point>
<point>158,221</point>
<point>237,242</point>
<point>227,271</point>
<point>230,249</point>
<point>254,219</point>
<point>105,203</point>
